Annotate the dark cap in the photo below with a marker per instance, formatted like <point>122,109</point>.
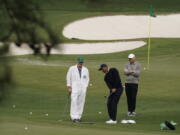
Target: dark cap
<point>101,66</point>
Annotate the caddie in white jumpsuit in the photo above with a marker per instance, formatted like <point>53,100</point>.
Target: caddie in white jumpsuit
<point>77,83</point>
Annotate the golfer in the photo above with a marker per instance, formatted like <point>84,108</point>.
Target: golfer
<point>113,82</point>
<point>77,83</point>
<point>132,72</point>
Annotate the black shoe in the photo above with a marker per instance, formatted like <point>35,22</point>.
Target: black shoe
<point>76,120</point>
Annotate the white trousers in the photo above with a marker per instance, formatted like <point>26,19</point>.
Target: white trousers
<point>77,103</point>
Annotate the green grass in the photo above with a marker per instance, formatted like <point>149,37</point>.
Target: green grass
<point>110,5</point>
<point>41,89</point>
<point>61,12</point>
<point>58,13</point>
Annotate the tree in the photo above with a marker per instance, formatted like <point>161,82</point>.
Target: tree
<point>20,22</point>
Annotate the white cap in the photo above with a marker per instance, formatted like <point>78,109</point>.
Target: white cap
<point>130,56</point>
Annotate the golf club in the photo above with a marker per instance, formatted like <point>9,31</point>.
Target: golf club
<point>66,106</point>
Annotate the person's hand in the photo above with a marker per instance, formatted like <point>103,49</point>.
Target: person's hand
<point>113,90</point>
<point>131,71</point>
<point>69,90</point>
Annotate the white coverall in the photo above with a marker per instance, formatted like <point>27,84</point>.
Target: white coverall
<point>79,86</point>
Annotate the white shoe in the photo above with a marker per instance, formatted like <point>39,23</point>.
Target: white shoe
<point>131,114</point>
<point>124,121</point>
<point>128,113</point>
<point>131,121</point>
<point>128,122</point>
<point>111,122</point>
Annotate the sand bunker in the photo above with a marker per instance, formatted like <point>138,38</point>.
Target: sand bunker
<point>123,27</point>
<point>111,28</point>
<point>82,48</point>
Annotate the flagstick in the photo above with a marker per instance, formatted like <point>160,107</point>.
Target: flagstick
<point>149,44</point>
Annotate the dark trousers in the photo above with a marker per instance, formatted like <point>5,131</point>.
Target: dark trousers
<point>131,93</point>
<point>112,103</point>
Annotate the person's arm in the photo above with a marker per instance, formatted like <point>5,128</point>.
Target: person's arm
<point>127,71</point>
<point>69,81</point>
<point>87,78</point>
<point>110,81</point>
<point>117,79</point>
<point>137,71</point>
<point>111,87</point>
<point>109,84</point>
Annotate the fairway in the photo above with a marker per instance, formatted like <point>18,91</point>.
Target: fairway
<point>41,90</point>
<point>38,102</point>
